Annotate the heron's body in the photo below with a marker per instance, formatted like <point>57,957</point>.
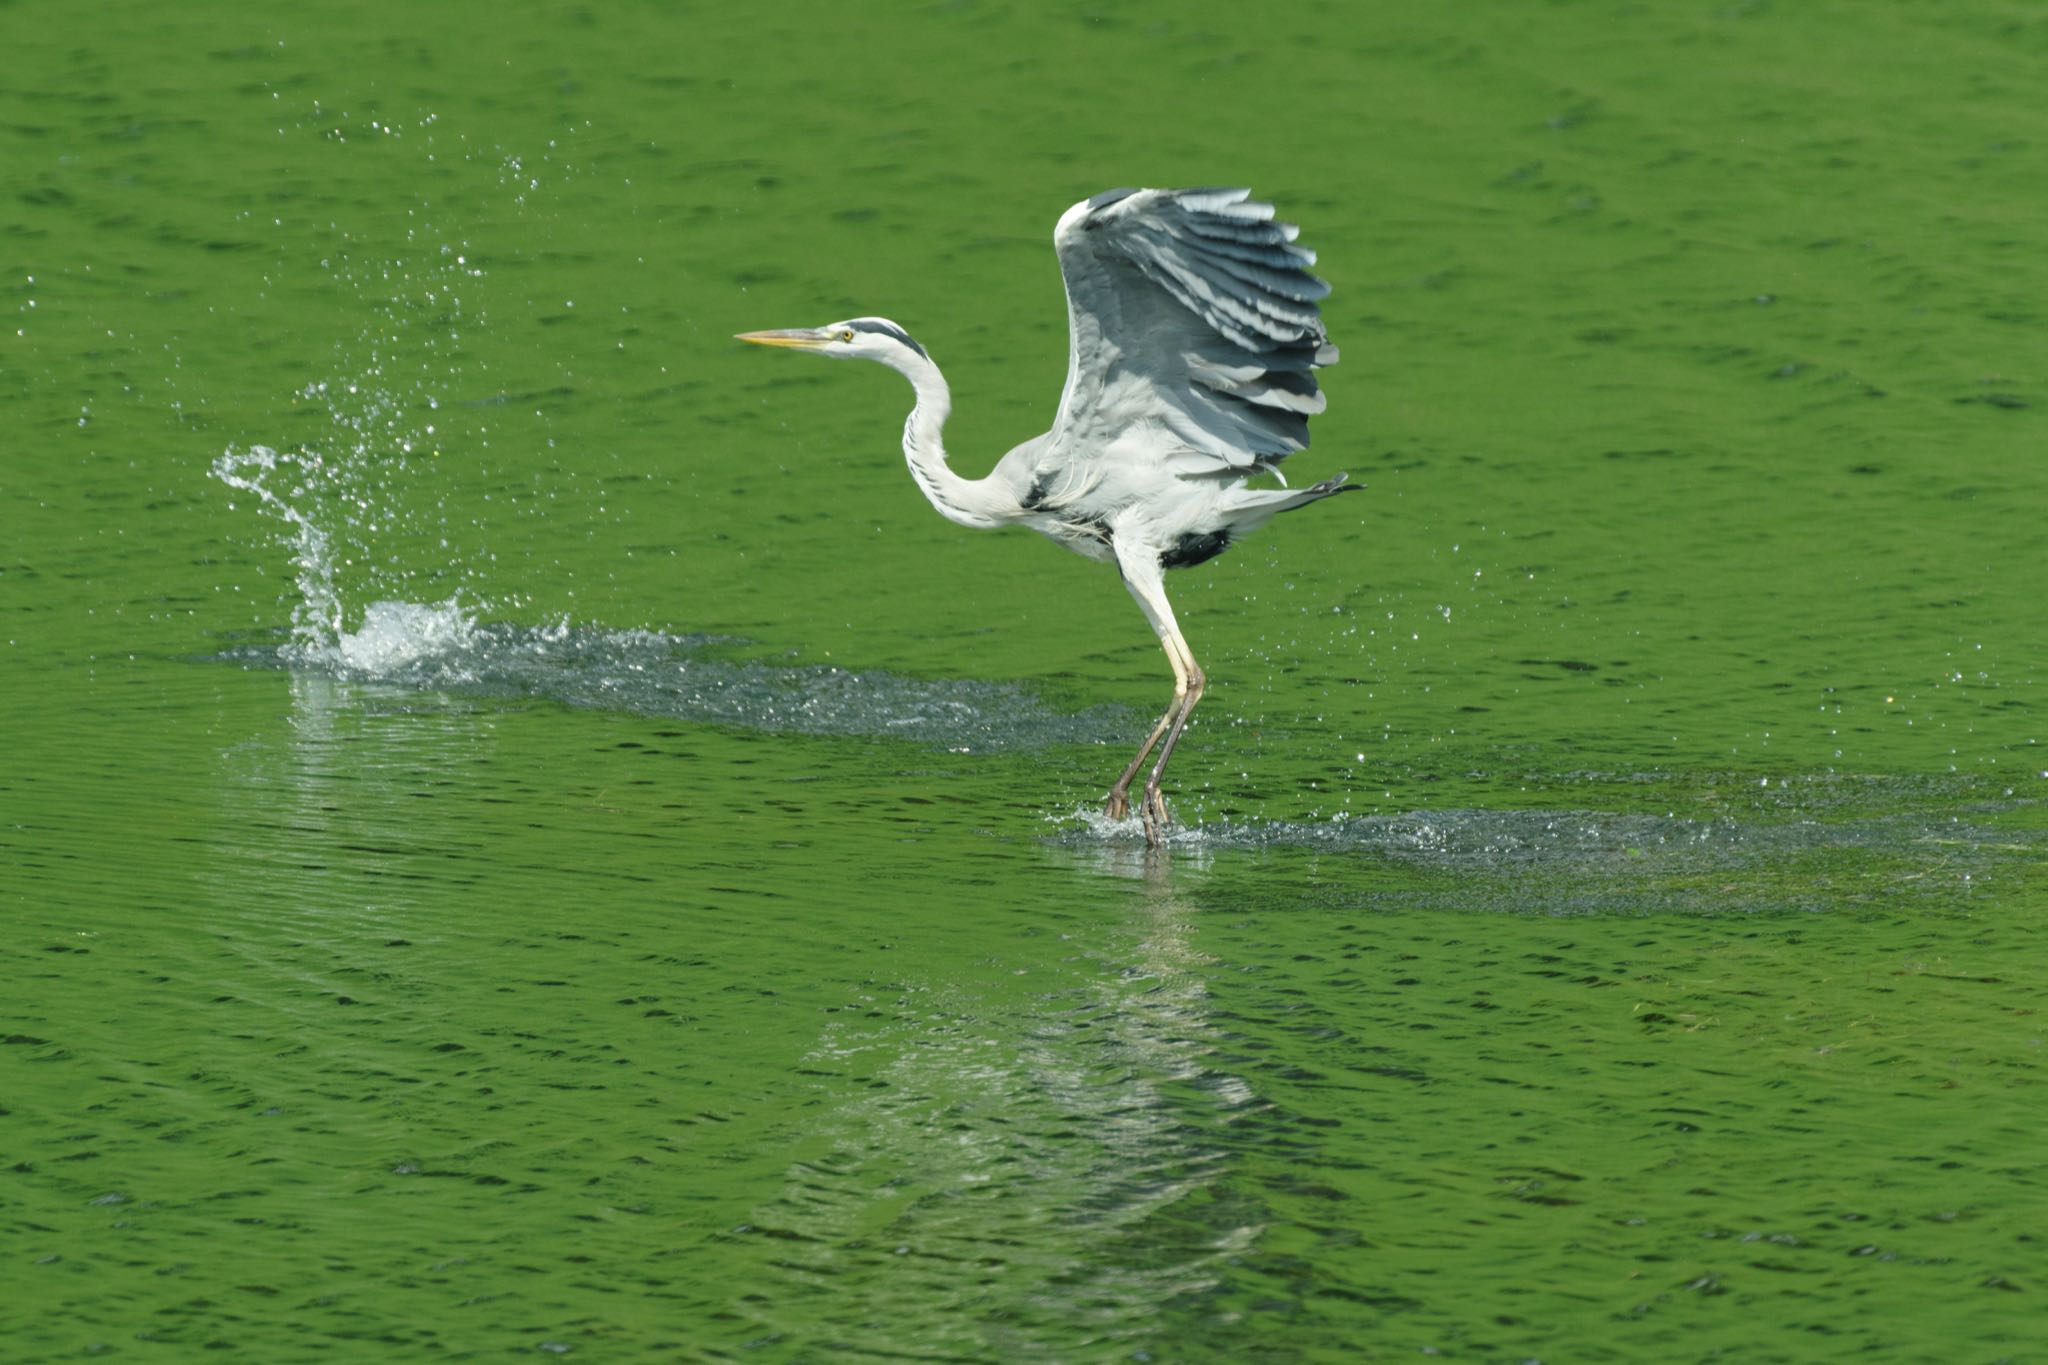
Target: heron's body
<point>1194,335</point>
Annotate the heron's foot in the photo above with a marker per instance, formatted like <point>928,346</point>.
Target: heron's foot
<point>1157,817</point>
<point>1118,807</point>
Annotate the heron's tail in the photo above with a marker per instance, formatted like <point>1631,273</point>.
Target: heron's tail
<point>1257,506</point>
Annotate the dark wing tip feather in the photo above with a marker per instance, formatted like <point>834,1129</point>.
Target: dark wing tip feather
<point>1224,255</point>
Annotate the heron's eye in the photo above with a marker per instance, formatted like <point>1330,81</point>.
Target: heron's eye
<point>846,334</point>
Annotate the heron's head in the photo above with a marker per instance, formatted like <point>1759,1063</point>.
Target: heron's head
<point>855,338</point>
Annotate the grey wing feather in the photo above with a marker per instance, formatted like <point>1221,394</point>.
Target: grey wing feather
<point>1193,312</point>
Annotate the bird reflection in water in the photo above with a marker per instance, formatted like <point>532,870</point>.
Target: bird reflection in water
<point>1042,1159</point>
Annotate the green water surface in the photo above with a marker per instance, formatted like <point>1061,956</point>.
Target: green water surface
<point>1606,919</point>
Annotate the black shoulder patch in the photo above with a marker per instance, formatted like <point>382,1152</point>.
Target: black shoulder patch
<point>1196,547</point>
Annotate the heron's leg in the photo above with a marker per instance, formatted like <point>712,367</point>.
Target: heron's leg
<point>1155,803</point>
<point>1119,804</point>
<point>1142,576</point>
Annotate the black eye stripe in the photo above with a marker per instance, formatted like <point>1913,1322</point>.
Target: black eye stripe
<point>882,329</point>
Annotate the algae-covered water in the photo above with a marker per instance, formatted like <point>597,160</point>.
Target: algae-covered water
<point>520,832</point>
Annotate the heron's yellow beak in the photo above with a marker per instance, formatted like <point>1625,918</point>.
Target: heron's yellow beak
<point>798,336</point>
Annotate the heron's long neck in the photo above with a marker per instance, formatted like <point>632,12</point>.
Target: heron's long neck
<point>980,503</point>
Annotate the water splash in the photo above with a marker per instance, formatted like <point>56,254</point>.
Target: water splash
<point>358,499</point>
<point>396,636</point>
<point>353,499</point>
<point>392,635</point>
<point>316,615</point>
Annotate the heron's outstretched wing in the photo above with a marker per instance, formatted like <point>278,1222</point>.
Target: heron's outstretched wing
<point>1194,329</point>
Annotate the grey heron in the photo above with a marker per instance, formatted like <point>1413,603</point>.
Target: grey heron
<point>1194,337</point>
